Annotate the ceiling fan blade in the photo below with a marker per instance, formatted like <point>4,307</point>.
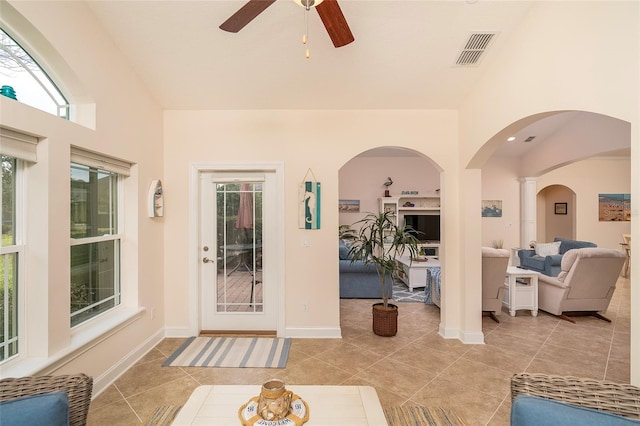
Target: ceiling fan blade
<point>335,22</point>
<point>245,14</point>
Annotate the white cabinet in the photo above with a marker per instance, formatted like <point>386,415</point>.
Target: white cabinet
<point>411,204</point>
<point>521,290</point>
<point>416,205</point>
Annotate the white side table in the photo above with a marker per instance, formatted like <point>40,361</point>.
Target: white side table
<point>521,290</point>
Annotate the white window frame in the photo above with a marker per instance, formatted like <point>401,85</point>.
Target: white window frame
<point>40,76</point>
<point>19,249</point>
<point>121,169</point>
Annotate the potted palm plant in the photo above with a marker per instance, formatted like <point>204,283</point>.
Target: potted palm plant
<point>379,242</point>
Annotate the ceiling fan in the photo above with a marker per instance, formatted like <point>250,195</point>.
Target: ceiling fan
<point>329,11</point>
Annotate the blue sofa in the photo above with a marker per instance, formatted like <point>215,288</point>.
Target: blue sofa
<point>550,265</point>
<point>358,280</point>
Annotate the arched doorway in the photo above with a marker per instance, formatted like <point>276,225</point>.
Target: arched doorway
<point>556,213</point>
<point>363,181</point>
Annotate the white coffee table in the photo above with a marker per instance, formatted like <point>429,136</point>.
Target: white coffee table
<point>521,290</point>
<point>217,405</point>
<point>414,272</point>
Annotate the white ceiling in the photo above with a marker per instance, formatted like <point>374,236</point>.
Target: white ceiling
<point>403,56</point>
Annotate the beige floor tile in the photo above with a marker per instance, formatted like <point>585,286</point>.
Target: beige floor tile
<point>396,377</point>
<point>504,359</point>
<point>475,407</point>
<point>502,416</point>
<point>415,367</point>
<point>585,360</point>
<point>380,345</point>
<point>175,392</point>
<point>314,372</point>
<point>169,345</point>
<point>142,377</point>
<point>232,376</point>
<point>350,357</point>
<point>618,371</point>
<point>564,369</point>
<point>116,414</point>
<point>315,347</point>
<point>108,396</point>
<point>479,376</point>
<point>387,398</point>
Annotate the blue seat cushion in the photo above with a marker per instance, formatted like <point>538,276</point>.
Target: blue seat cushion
<point>535,411</point>
<point>51,409</point>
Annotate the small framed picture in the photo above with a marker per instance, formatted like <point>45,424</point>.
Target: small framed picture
<point>561,208</point>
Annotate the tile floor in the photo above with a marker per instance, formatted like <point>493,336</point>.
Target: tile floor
<point>416,367</point>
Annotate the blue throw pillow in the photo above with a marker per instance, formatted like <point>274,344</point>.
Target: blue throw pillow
<point>50,409</point>
<point>344,251</point>
<point>534,411</point>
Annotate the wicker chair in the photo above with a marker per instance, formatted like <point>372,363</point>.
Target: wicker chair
<point>77,386</point>
<point>613,398</point>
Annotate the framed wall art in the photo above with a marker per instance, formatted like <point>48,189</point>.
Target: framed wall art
<point>560,208</point>
<point>491,208</point>
<point>349,206</point>
<point>614,207</point>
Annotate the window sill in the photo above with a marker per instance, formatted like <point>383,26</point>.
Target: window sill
<point>82,340</point>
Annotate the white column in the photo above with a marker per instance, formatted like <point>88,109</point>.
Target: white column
<point>528,210</point>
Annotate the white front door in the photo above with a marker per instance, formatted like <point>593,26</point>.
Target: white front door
<point>237,235</point>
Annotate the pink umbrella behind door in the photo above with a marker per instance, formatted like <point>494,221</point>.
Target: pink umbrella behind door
<point>245,208</point>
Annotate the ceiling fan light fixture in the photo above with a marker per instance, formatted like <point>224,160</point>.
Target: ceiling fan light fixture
<point>308,4</point>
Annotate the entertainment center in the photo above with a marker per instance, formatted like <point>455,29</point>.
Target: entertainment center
<point>422,213</point>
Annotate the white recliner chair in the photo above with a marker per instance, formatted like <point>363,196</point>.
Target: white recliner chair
<point>585,284</point>
<point>494,270</point>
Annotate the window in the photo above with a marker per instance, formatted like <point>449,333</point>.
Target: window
<point>95,241</point>
<point>9,254</point>
<point>25,81</point>
<point>15,149</point>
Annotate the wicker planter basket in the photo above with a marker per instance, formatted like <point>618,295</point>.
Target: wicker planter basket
<point>385,321</point>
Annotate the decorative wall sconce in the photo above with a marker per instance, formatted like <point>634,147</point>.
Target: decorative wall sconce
<point>156,199</point>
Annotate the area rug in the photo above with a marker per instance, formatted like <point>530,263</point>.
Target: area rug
<point>415,416</point>
<point>163,415</point>
<point>401,293</point>
<point>259,352</point>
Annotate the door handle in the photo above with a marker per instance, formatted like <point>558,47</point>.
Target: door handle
<point>206,260</point>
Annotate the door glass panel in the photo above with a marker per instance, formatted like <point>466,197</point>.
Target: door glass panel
<point>239,286</point>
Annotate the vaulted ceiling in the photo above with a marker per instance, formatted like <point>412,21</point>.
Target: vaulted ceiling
<point>404,55</point>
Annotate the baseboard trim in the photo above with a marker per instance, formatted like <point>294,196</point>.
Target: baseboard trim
<point>475,338</point>
<point>313,332</point>
<point>179,332</point>
<point>105,380</point>
<point>448,333</point>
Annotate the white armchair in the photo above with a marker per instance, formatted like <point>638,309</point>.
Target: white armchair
<point>585,284</point>
<point>494,270</point>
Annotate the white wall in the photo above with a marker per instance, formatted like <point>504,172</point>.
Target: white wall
<point>535,75</point>
<point>128,126</point>
<point>588,179</point>
<point>557,225</point>
<point>500,182</point>
<point>362,179</point>
<point>311,274</point>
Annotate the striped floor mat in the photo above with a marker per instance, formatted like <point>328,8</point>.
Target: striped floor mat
<point>422,416</point>
<point>262,352</point>
<point>163,415</point>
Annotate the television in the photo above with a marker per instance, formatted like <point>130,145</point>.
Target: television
<point>426,225</point>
